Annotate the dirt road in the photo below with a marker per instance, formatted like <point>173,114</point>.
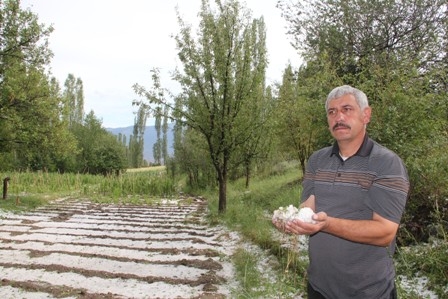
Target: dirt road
<point>78,249</point>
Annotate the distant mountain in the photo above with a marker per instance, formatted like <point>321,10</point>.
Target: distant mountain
<point>149,139</point>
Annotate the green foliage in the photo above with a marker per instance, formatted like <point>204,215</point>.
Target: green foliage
<point>255,280</point>
<point>192,159</point>
<point>100,151</point>
<point>136,140</point>
<point>246,269</point>
<point>301,125</point>
<point>249,210</point>
<point>36,188</point>
<point>412,122</point>
<point>73,101</point>
<point>31,130</point>
<point>32,133</point>
<point>22,203</point>
<point>426,260</point>
<point>40,127</point>
<point>160,144</point>
<point>358,35</point>
<point>395,51</point>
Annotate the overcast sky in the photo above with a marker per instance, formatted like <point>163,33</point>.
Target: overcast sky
<point>113,44</point>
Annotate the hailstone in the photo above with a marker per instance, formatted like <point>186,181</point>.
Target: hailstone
<point>285,214</point>
<point>306,215</point>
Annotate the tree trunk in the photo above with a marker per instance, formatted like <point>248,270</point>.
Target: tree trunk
<point>5,187</point>
<point>303,166</point>
<point>222,180</point>
<point>247,175</point>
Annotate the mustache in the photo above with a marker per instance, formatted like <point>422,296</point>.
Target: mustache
<point>339,125</point>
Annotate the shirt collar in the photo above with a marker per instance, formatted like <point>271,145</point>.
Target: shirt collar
<point>363,151</point>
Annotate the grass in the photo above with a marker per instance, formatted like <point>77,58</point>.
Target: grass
<point>28,190</point>
<point>160,168</point>
<point>249,212</point>
<point>246,268</point>
<point>425,261</point>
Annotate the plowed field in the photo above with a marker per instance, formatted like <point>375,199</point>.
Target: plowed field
<point>79,249</point>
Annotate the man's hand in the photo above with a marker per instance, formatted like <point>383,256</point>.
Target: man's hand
<point>302,228</point>
<point>280,225</point>
<point>377,231</point>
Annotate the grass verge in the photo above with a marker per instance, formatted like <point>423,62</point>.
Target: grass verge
<point>249,212</point>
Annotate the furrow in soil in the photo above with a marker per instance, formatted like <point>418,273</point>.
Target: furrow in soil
<point>80,249</point>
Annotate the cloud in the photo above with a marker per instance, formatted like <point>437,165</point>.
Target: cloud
<point>111,45</point>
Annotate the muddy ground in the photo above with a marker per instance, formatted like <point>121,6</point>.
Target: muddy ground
<point>78,249</point>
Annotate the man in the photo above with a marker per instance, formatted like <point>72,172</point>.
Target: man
<point>358,190</point>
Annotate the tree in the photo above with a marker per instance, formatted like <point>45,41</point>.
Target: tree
<point>160,147</point>
<point>31,133</point>
<point>157,147</point>
<point>73,101</point>
<point>136,141</point>
<point>395,51</point>
<point>255,149</point>
<point>222,67</point>
<point>100,151</point>
<point>164,141</point>
<point>301,126</point>
<point>191,153</point>
<point>357,34</point>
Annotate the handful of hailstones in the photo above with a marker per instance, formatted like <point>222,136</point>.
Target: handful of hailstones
<point>289,213</point>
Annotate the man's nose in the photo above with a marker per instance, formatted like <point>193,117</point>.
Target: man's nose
<point>339,115</point>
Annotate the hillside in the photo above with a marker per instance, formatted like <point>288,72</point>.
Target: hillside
<point>149,138</point>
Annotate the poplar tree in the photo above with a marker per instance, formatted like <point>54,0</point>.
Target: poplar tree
<point>157,147</point>
<point>136,141</point>
<point>164,142</point>
<point>73,101</point>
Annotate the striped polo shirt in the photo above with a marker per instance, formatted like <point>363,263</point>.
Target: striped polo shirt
<point>373,180</point>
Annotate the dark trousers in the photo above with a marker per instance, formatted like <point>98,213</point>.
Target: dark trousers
<point>313,294</point>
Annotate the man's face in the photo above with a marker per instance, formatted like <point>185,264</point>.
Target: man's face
<point>345,119</point>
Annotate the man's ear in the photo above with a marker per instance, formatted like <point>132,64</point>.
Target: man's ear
<point>367,113</point>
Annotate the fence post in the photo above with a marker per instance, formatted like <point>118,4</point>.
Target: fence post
<point>5,187</point>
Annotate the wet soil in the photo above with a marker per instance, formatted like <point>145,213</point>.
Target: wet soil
<point>79,249</point>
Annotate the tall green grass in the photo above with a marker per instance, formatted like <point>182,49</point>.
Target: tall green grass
<point>31,189</point>
<point>136,184</point>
